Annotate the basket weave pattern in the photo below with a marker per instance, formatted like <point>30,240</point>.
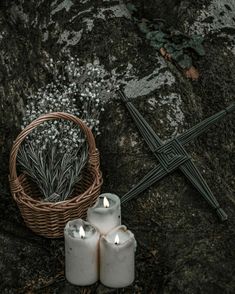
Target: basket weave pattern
<point>45,218</point>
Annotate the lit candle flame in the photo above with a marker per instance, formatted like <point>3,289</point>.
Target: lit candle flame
<point>106,202</point>
<point>81,232</point>
<point>117,241</point>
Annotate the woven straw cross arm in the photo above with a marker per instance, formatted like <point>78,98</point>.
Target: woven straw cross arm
<point>201,127</point>
<point>152,138</point>
<point>156,174</point>
<point>195,177</point>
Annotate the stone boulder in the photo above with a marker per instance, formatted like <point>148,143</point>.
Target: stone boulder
<point>182,246</point>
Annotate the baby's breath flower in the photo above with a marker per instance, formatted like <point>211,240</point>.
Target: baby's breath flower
<point>77,89</point>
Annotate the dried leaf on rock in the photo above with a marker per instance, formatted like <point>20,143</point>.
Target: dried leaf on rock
<point>192,73</point>
<point>164,53</point>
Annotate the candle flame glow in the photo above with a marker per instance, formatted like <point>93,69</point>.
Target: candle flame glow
<point>81,232</point>
<point>106,202</point>
<point>117,241</point>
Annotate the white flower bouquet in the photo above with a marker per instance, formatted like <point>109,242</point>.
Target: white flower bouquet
<point>54,154</point>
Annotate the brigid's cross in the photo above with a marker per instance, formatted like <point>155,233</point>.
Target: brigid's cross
<point>172,155</point>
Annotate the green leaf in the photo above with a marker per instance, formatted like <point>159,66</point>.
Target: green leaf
<point>177,55</point>
<point>143,28</point>
<point>158,36</point>
<point>184,61</point>
<point>196,44</point>
<point>131,7</point>
<point>169,48</point>
<point>156,45</point>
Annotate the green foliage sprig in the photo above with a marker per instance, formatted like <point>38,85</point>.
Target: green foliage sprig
<point>178,45</point>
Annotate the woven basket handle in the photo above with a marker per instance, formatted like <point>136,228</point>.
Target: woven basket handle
<point>92,151</point>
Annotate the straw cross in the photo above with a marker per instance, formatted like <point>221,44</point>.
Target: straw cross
<point>172,156</point>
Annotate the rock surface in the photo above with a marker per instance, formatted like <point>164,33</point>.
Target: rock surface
<point>182,247</point>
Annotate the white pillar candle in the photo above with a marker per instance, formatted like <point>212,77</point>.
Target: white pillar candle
<point>81,252</point>
<point>117,258</point>
<point>106,213</point>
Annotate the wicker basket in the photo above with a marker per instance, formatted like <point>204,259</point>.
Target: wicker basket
<point>45,218</point>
